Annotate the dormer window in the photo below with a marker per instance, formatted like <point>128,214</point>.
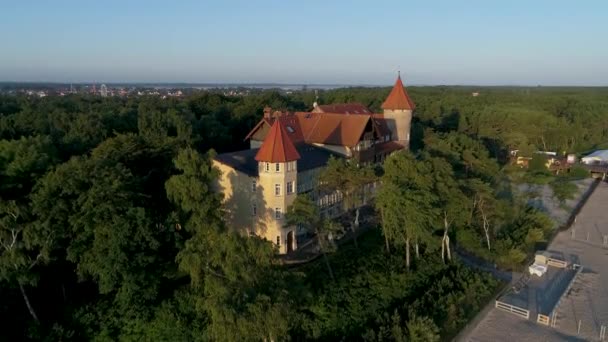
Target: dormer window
<point>290,129</point>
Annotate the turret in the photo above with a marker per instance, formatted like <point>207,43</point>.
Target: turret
<point>398,108</point>
<point>278,177</point>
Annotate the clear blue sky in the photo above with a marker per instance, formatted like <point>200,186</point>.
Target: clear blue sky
<point>348,42</point>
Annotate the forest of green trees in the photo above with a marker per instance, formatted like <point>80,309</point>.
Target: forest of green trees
<point>110,230</point>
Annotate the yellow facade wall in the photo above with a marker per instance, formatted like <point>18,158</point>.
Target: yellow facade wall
<point>399,122</point>
<point>240,197</point>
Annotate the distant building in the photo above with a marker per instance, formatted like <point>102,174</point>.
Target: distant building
<point>524,161</point>
<point>289,150</point>
<point>598,157</point>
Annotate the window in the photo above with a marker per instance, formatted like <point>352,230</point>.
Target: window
<point>289,188</point>
<point>279,241</point>
<point>254,209</point>
<point>254,185</point>
<point>277,167</point>
<point>290,129</point>
<point>277,189</point>
<point>291,166</point>
<point>267,167</point>
<point>277,213</point>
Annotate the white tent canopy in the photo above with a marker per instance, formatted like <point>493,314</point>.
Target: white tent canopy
<point>597,157</point>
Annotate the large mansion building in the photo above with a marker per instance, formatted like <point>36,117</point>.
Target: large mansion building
<point>288,150</point>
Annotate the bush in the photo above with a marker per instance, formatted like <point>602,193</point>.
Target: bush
<point>563,190</point>
<point>577,172</point>
<point>509,258</point>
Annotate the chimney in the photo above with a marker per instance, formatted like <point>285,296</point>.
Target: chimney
<point>267,112</point>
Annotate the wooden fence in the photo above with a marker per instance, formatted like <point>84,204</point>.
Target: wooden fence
<point>543,319</point>
<point>523,313</point>
<point>557,263</point>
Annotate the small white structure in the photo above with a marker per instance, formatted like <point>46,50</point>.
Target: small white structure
<point>597,157</point>
<point>539,267</point>
<point>539,270</point>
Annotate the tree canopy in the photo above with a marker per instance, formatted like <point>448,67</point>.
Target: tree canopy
<point>110,228</point>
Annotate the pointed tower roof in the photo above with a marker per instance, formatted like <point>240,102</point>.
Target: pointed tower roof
<point>277,147</point>
<point>398,98</point>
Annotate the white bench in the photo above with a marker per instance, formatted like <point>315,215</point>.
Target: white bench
<point>537,269</point>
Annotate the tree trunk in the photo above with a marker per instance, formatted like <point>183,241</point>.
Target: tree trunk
<point>542,138</point>
<point>354,226</point>
<point>445,241</point>
<point>416,247</point>
<point>473,209</point>
<point>443,249</point>
<point>447,246</point>
<point>388,249</point>
<point>325,258</point>
<point>407,253</point>
<point>486,226</point>
<point>28,304</point>
<point>331,273</point>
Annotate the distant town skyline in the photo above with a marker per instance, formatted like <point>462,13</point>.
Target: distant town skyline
<point>313,42</point>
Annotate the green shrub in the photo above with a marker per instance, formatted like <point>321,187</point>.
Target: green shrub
<point>563,190</point>
<point>577,172</point>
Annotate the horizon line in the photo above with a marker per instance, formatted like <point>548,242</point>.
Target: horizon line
<point>301,84</point>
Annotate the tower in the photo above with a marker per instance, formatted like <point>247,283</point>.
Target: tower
<point>104,90</point>
<point>398,108</point>
<point>278,179</point>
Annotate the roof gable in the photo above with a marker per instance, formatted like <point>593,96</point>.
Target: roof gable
<point>398,98</point>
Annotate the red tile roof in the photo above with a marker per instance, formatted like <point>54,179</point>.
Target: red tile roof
<point>344,108</point>
<point>332,128</point>
<point>277,146</point>
<point>398,98</point>
<point>321,128</point>
<point>288,121</point>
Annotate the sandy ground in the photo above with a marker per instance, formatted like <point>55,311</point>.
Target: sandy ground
<point>587,300</point>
